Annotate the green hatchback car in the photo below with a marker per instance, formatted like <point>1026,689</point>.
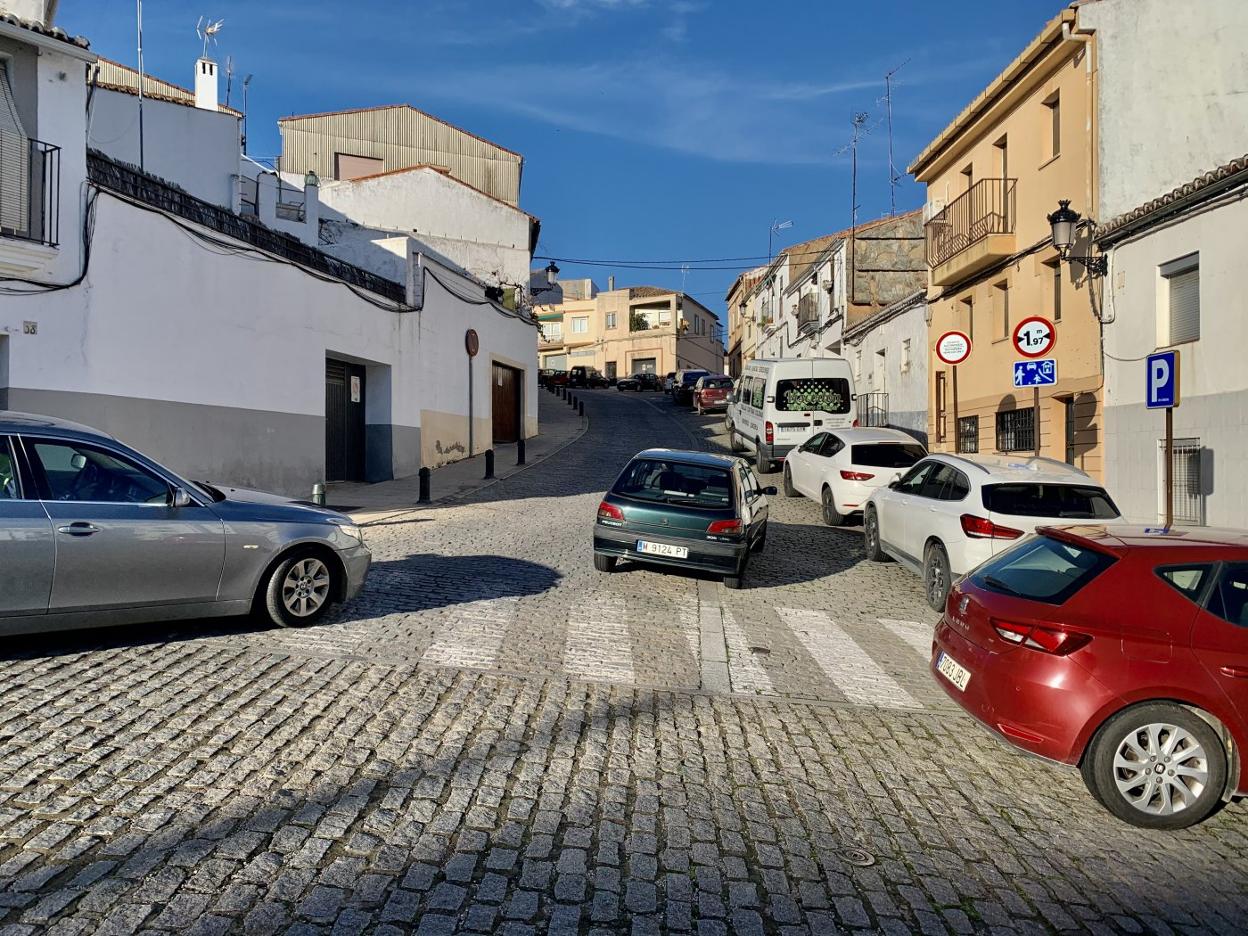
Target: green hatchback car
<point>692,510</point>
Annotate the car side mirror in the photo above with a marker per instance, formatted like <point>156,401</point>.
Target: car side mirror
<point>770,491</point>
<point>179,498</point>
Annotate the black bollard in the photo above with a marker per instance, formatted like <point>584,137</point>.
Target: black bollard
<point>425,475</point>
<point>520,452</point>
<point>572,400</point>
<point>580,407</point>
<point>489,463</point>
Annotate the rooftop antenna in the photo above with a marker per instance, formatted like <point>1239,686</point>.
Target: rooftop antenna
<point>229,77</point>
<point>776,227</point>
<point>893,177</point>
<point>207,30</point>
<point>138,17</point>
<point>246,85</point>
<point>859,121</point>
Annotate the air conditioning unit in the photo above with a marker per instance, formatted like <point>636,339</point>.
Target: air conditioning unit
<point>933,208</point>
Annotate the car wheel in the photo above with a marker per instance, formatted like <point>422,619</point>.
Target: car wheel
<point>734,443</point>
<point>300,589</point>
<point>736,581</point>
<point>604,563</point>
<point>1158,766</point>
<point>871,536</point>
<point>831,516</point>
<point>761,464</point>
<point>789,489</point>
<point>936,576</point>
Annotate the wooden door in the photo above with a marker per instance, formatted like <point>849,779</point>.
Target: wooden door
<point>505,407</point>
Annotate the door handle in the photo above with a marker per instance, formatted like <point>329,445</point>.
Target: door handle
<point>80,528</point>
<point>1236,672</point>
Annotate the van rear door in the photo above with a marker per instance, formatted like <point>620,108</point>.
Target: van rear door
<point>809,399</point>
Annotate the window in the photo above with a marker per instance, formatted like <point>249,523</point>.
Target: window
<point>14,160</point>
<point>580,326</point>
<point>552,331</point>
<point>824,394</point>
<point>1001,310</point>
<point>814,443</point>
<point>968,435</point>
<point>886,454</point>
<point>1188,580</point>
<point>1056,501</point>
<point>1042,569</point>
<point>1016,430</point>
<point>1229,599</point>
<point>968,176</point>
<point>1187,476</point>
<point>968,316</point>
<point>905,356</point>
<point>651,479</point>
<point>756,392</point>
<point>912,483</point>
<point>1182,278</point>
<point>937,482</point>
<point>1055,275</point>
<point>610,366</point>
<point>831,446</point>
<point>10,483</point>
<point>73,472</point>
<point>610,320</point>
<point>1054,103</point>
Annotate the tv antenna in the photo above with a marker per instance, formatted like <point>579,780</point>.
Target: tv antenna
<point>776,227</point>
<point>859,120</point>
<point>229,77</point>
<point>893,177</point>
<point>207,30</point>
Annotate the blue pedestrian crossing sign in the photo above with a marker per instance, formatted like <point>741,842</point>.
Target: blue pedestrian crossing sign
<point>1162,380</point>
<point>1041,373</point>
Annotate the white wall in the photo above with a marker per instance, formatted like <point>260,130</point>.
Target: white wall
<point>1173,81</point>
<point>481,235</point>
<point>907,390</point>
<point>1213,379</point>
<point>197,150</point>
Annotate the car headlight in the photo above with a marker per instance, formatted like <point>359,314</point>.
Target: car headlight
<point>352,530</point>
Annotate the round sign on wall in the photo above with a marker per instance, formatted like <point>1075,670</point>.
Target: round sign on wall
<point>471,343</point>
<point>1034,337</point>
<point>953,347</point>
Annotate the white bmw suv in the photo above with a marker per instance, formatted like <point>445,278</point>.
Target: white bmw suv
<point>949,513</point>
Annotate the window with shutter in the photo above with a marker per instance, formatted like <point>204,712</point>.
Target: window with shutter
<point>14,161</point>
<point>1183,280</point>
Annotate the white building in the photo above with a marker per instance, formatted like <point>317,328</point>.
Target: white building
<point>888,352</point>
<point>213,340</point>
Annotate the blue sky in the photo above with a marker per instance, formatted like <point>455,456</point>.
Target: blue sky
<point>651,129</point>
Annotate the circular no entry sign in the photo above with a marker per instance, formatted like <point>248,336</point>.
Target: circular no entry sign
<point>953,347</point>
<point>1034,337</point>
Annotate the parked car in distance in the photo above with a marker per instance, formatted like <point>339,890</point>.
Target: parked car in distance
<point>628,383</point>
<point>710,393</point>
<point>1122,650</point>
<point>692,510</point>
<point>682,385</point>
<point>841,468</point>
<point>96,533</point>
<point>949,513</point>
<point>638,382</point>
<point>590,377</point>
<point>557,378</point>
<point>779,403</point>
<point>669,381</point>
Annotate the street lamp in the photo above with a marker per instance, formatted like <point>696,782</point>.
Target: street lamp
<point>1063,223</point>
<point>552,279</point>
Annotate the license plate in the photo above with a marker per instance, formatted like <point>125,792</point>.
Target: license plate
<point>953,671</point>
<point>662,549</point>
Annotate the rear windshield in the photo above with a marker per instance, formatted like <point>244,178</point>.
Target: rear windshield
<point>1059,501</point>
<point>673,483</point>
<point>691,377</point>
<point>717,383</point>
<point>1042,569</point>
<point>825,394</point>
<point>886,454</point>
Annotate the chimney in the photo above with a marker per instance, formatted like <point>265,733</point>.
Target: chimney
<point>36,11</point>
<point>610,283</point>
<point>206,84</point>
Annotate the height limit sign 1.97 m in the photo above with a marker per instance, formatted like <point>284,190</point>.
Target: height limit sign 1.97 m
<point>1034,337</point>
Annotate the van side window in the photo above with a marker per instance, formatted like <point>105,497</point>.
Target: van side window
<point>756,398</point>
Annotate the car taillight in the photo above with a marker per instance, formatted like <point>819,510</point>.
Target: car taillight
<point>1050,640</point>
<point>856,476</point>
<point>983,528</point>
<point>724,527</point>
<point>770,432</point>
<point>610,512</point>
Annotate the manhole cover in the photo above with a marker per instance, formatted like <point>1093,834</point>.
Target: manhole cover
<point>856,856</point>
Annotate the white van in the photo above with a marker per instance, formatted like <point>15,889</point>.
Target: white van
<point>777,404</point>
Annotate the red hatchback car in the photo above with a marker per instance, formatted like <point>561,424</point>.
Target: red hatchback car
<point>1123,650</point>
<point>711,393</point>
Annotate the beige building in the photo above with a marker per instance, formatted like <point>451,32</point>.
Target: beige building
<point>629,331</point>
<point>993,176</point>
<point>742,328</point>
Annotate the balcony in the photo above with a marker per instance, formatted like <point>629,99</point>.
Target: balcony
<point>873,409</point>
<point>30,198</point>
<point>972,232</point>
<point>807,311</point>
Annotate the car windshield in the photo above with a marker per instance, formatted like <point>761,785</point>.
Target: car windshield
<point>717,383</point>
<point>1058,501</point>
<point>691,377</point>
<point>653,479</point>
<point>825,394</point>
<point>886,454</point>
<point>1042,569</point>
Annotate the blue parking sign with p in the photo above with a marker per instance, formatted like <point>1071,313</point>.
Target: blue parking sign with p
<point>1162,380</point>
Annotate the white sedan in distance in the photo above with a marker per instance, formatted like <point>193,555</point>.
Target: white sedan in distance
<point>841,468</point>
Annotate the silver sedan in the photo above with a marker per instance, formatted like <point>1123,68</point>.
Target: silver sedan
<point>94,533</point>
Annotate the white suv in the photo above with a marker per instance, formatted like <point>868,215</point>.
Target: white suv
<point>949,513</point>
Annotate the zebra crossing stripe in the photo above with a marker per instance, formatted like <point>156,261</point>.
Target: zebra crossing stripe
<point>687,617</point>
<point>846,664</point>
<point>598,644</point>
<point>744,670</point>
<point>918,636</point>
<point>474,635</point>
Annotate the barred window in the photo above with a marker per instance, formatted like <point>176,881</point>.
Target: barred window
<point>968,434</point>
<point>1016,430</point>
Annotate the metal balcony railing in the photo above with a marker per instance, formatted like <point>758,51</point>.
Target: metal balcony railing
<point>807,310</point>
<point>30,189</point>
<point>873,409</point>
<point>986,208</point>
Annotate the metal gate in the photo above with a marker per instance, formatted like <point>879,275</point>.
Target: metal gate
<point>344,421</point>
<point>505,400</point>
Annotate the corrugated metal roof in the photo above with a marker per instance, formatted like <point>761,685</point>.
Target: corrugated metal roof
<point>117,77</point>
<point>1201,183</point>
<point>383,107</point>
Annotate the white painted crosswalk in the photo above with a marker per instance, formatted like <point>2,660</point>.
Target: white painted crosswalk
<point>473,635</point>
<point>598,645</point>
<point>918,636</point>
<point>846,665</point>
<point>745,671</point>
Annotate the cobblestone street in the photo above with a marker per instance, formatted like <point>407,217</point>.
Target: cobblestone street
<point>496,738</point>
